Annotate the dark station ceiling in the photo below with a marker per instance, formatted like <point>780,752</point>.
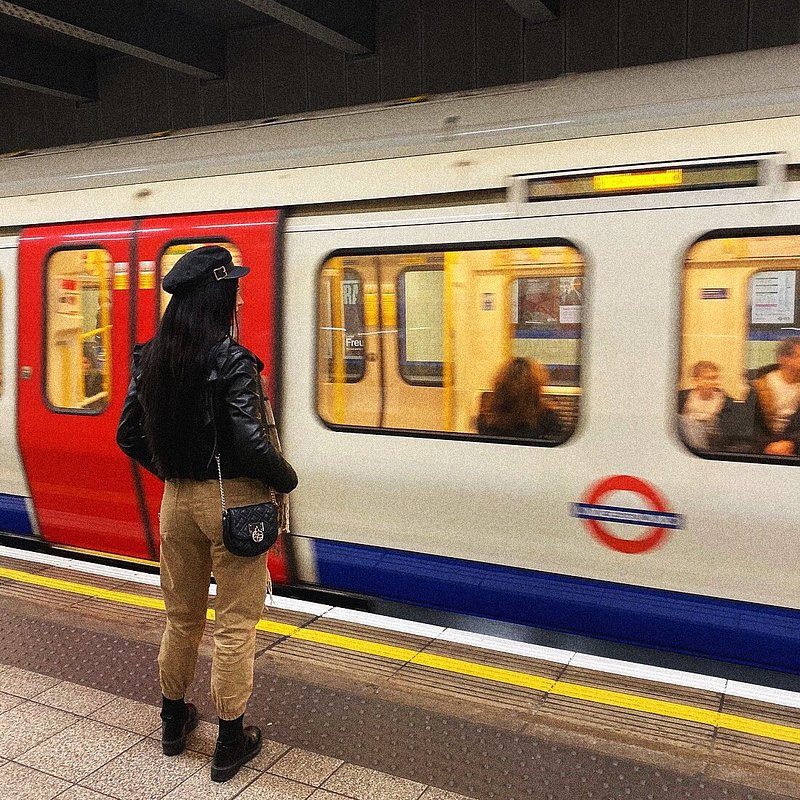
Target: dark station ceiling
<point>53,45</point>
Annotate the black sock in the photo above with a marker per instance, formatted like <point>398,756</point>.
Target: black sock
<point>230,730</point>
<point>172,709</point>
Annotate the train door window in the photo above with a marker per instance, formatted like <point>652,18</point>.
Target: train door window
<point>421,326</point>
<point>342,325</point>
<point>446,331</point>
<point>78,321</point>
<point>739,386</point>
<point>178,249</point>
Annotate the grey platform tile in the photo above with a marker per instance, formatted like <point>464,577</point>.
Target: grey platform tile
<point>81,793</point>
<point>73,697</point>
<point>8,701</point>
<point>21,783</point>
<point>144,772</point>
<point>28,725</point>
<point>271,751</point>
<point>201,786</point>
<point>22,683</point>
<point>273,787</point>
<point>367,784</point>
<point>305,767</point>
<point>130,715</point>
<point>79,750</point>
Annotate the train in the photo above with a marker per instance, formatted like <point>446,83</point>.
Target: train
<point>616,227</point>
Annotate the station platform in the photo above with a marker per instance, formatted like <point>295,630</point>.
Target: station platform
<point>358,706</point>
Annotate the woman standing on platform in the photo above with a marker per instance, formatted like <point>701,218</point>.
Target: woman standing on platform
<point>194,395</point>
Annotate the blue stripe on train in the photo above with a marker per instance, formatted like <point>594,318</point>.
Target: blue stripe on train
<point>745,633</point>
<point>14,515</point>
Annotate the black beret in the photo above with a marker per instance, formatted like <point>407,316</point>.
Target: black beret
<point>200,266</point>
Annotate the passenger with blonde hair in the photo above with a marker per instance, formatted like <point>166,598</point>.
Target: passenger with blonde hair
<point>516,407</point>
<point>703,407</point>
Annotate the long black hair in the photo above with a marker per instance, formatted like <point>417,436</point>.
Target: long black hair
<point>175,369</point>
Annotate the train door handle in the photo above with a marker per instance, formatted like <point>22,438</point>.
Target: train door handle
<point>26,373</point>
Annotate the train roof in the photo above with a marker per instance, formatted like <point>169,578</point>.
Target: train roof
<point>759,84</point>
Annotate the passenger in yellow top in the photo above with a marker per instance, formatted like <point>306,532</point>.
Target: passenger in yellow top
<point>516,408</point>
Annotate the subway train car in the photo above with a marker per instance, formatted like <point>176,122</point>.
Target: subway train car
<point>615,228</point>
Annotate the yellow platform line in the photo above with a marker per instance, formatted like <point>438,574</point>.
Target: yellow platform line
<point>663,708</point>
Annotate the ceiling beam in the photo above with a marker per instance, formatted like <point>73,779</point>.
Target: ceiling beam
<point>40,68</point>
<point>347,25</point>
<point>535,10</point>
<point>140,29</point>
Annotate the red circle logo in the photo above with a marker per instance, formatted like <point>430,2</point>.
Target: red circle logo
<point>653,537</point>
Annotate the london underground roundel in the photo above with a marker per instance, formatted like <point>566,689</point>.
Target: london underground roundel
<point>652,514</point>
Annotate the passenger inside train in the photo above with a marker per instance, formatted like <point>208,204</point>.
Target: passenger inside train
<point>516,407</point>
<point>414,340</point>
<point>702,408</point>
<point>777,389</point>
<point>740,324</point>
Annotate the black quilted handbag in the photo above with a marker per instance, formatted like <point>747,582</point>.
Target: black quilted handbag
<point>249,530</point>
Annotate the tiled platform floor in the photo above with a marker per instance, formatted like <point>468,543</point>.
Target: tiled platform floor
<point>78,684</point>
<point>63,740</point>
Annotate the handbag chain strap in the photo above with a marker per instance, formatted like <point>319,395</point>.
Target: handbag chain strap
<point>221,489</point>
<point>270,429</point>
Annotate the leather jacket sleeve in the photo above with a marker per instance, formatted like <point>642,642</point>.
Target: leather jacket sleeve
<point>130,431</point>
<point>241,403</point>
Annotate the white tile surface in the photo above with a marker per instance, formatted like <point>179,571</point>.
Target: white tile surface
<point>303,606</point>
<point>672,677</point>
<point>385,623</point>
<point>507,646</point>
<point>766,694</point>
<point>81,566</point>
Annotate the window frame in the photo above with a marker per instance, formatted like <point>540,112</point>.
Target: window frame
<point>82,412</point>
<point>401,337</point>
<point>348,380</point>
<point>510,289</point>
<point>721,233</point>
<point>450,246</point>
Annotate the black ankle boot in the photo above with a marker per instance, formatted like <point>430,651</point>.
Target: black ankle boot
<point>178,720</point>
<point>235,747</point>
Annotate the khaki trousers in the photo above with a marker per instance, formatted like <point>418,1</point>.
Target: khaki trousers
<point>191,549</point>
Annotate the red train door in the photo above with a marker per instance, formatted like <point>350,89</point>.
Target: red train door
<point>75,334</point>
<point>252,238</point>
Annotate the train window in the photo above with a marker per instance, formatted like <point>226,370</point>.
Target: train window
<point>342,323</point>
<point>420,326</point>
<point>739,389</point>
<point>78,342</point>
<point>178,249</point>
<point>474,342</point>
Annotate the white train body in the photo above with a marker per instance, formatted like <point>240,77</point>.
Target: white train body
<point>456,522</point>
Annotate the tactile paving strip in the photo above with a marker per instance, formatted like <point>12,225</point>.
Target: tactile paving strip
<point>365,664</point>
<point>471,759</point>
<point>468,688</point>
<point>635,725</point>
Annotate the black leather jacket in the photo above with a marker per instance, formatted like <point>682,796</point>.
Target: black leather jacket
<point>242,442</point>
